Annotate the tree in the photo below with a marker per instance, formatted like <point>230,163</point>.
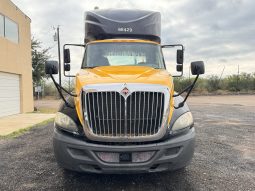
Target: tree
<point>39,57</point>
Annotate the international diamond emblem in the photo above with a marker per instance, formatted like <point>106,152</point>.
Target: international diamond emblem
<point>125,91</point>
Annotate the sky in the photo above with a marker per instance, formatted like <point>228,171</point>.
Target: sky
<point>219,32</point>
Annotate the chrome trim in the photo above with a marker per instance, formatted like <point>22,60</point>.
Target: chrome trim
<point>116,114</point>
<point>133,87</point>
<point>108,128</point>
<point>143,113</point>
<point>111,114</point>
<point>125,119</point>
<point>152,110</point>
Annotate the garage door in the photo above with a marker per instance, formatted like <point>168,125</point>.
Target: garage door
<point>9,94</point>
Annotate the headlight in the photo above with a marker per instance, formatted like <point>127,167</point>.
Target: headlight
<point>65,122</point>
<point>185,120</point>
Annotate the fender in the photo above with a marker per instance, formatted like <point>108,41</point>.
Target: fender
<point>176,114</point>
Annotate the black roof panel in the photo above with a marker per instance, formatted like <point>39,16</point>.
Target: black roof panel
<point>122,23</point>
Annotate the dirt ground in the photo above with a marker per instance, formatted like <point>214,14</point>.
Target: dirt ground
<point>224,156</point>
<point>47,105</point>
<point>240,100</point>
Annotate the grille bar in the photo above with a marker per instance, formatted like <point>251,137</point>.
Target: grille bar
<point>152,109</point>
<point>156,112</point>
<point>115,120</point>
<point>109,114</point>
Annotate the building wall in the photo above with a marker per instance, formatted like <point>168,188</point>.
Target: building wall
<point>16,57</point>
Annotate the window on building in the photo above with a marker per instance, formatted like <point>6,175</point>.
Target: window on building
<point>1,25</point>
<point>11,30</point>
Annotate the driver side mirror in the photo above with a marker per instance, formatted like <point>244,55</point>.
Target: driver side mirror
<point>67,58</point>
<point>179,56</point>
<point>51,67</point>
<point>197,68</point>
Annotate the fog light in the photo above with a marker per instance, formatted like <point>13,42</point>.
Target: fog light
<point>108,157</point>
<point>142,156</point>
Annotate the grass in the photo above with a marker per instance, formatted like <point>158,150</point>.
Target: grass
<point>46,110</point>
<point>26,129</point>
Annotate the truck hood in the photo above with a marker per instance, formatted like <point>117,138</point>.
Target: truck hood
<point>123,74</point>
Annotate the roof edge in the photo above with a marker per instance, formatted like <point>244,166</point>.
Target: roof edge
<point>17,8</point>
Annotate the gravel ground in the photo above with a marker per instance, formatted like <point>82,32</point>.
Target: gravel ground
<point>224,159</point>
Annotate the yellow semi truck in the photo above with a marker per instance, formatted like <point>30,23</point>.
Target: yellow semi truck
<point>124,115</point>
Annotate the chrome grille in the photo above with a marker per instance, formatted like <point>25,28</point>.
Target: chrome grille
<point>110,114</point>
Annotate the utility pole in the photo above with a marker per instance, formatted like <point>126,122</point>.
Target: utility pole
<point>238,79</point>
<point>56,38</point>
<point>59,56</point>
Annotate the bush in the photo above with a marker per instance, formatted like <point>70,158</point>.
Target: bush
<point>180,83</point>
<point>201,85</point>
<point>244,82</point>
<point>213,83</point>
<point>50,90</point>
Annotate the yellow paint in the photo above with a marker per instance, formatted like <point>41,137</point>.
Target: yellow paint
<point>123,74</point>
<point>123,40</point>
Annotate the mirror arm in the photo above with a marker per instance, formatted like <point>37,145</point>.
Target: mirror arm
<point>189,89</point>
<point>180,93</point>
<point>69,93</point>
<point>59,88</point>
<point>56,84</point>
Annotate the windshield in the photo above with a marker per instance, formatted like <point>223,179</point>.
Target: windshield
<point>123,54</point>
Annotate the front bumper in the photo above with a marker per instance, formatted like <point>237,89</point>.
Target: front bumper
<point>78,155</point>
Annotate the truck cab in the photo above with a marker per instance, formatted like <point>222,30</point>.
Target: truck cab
<point>124,115</point>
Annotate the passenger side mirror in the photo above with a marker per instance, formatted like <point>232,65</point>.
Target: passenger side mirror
<point>67,55</point>
<point>179,56</point>
<point>51,67</point>
<point>197,67</point>
<point>67,67</point>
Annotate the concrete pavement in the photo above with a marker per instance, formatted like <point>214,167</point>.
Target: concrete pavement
<point>12,123</point>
